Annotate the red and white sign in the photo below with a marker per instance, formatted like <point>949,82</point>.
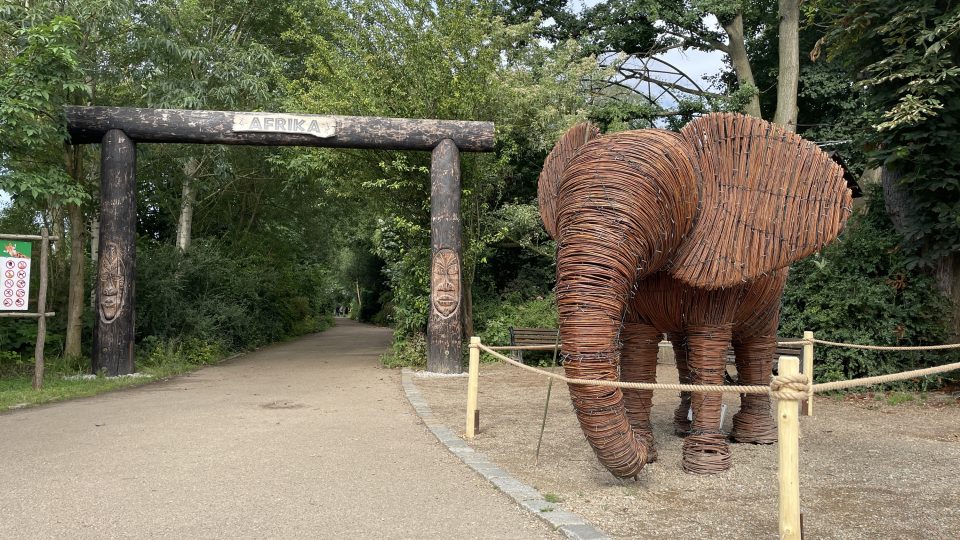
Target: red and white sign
<point>14,275</point>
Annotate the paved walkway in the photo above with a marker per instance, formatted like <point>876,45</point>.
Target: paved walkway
<point>307,439</point>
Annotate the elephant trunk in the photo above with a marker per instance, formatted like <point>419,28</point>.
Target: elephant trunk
<point>624,203</point>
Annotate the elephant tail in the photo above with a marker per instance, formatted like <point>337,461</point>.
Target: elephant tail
<point>553,168</point>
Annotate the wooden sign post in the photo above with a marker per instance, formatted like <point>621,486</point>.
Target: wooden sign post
<point>120,129</point>
<point>16,278</point>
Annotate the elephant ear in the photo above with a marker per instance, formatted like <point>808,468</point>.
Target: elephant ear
<point>767,198</point>
<point>553,168</point>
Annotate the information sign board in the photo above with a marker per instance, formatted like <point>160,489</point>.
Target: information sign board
<point>15,274</point>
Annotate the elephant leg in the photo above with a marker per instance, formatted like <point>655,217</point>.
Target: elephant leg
<point>705,450</point>
<point>638,363</point>
<point>754,424</point>
<point>681,425</point>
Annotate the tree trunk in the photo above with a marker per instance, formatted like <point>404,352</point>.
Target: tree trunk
<point>895,199</point>
<point>187,199</point>
<point>468,331</point>
<point>77,225</point>
<point>94,256</point>
<point>75,297</point>
<point>948,281</point>
<point>947,272</point>
<point>789,76</point>
<point>741,63</point>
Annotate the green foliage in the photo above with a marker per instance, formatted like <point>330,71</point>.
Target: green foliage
<point>404,246</point>
<point>227,296</point>
<point>907,55</point>
<point>510,310</point>
<point>860,290</point>
<point>41,72</point>
<point>409,351</point>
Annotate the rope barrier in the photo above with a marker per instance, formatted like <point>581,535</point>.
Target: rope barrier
<point>634,385</point>
<point>888,348</point>
<point>791,388</point>
<point>880,379</point>
<point>779,343</point>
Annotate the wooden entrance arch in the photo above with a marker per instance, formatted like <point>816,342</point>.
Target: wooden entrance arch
<point>119,130</point>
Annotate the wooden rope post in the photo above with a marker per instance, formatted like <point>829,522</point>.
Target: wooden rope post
<point>38,361</point>
<point>788,431</point>
<point>808,368</point>
<point>472,383</point>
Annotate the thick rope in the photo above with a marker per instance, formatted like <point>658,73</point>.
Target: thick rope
<point>793,387</point>
<point>780,343</point>
<point>781,387</point>
<point>887,348</point>
<point>635,385</point>
<point>880,379</point>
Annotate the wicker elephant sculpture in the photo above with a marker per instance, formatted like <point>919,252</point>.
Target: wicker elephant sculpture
<point>688,234</point>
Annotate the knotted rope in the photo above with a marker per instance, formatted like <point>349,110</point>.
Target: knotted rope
<point>793,387</point>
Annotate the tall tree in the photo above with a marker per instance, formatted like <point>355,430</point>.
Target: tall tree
<point>906,57</point>
<point>643,28</point>
<point>198,54</point>
<point>61,52</point>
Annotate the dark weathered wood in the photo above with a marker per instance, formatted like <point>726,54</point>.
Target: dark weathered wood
<point>114,313</point>
<point>446,290</point>
<point>89,124</point>
<point>24,315</point>
<point>38,360</point>
<point>532,336</point>
<point>27,237</point>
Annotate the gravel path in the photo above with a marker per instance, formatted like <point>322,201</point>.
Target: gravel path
<point>307,439</point>
<point>868,469</point>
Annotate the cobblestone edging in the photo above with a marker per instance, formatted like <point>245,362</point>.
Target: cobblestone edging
<point>571,525</point>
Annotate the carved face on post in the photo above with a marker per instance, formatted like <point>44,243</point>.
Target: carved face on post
<point>446,282</point>
<point>112,284</point>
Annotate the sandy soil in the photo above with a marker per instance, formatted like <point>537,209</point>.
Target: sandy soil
<point>868,469</point>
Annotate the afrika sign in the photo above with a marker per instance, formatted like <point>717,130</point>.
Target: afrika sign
<point>317,126</point>
<point>15,273</point>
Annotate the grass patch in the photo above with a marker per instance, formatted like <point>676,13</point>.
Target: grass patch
<point>16,392</point>
<point>62,378</point>
<point>156,360</point>
<point>552,498</point>
<point>897,398</point>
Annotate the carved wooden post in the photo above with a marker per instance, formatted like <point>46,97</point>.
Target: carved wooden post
<point>114,314</point>
<point>444,328</point>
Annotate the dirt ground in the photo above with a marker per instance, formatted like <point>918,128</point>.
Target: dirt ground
<point>311,438</point>
<point>868,469</point>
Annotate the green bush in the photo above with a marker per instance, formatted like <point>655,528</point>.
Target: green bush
<point>409,351</point>
<point>227,296</point>
<point>859,290</point>
<point>513,311</point>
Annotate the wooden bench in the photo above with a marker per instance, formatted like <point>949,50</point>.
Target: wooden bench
<point>522,337</point>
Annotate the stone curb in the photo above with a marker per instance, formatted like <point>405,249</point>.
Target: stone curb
<point>571,525</point>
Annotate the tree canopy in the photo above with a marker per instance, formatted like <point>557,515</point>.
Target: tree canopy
<point>240,246</point>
